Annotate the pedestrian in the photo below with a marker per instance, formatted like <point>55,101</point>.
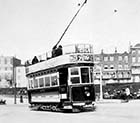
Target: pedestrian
<point>123,95</point>
<point>127,91</point>
<point>21,98</point>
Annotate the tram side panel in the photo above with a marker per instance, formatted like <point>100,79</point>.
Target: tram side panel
<point>43,96</point>
<point>50,94</point>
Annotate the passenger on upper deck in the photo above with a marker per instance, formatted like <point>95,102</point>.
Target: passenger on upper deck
<point>27,63</point>
<point>35,60</point>
<point>54,51</point>
<point>57,51</point>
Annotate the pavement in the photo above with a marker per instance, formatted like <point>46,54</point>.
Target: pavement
<point>11,100</point>
<point>108,101</point>
<point>117,101</point>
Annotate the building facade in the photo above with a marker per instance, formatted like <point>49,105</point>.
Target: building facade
<point>115,67</point>
<point>135,62</point>
<point>7,65</point>
<point>21,80</point>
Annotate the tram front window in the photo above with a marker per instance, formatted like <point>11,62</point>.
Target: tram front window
<point>79,75</point>
<point>74,71</point>
<point>85,75</point>
<point>75,80</point>
<point>75,77</point>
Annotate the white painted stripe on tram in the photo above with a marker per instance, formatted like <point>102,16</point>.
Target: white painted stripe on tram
<point>47,98</point>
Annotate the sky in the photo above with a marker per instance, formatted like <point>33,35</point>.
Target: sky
<point>32,27</point>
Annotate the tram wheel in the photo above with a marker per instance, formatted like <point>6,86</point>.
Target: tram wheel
<point>53,108</point>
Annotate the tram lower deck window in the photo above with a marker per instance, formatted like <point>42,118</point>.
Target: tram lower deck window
<point>30,84</point>
<point>54,80</point>
<point>35,83</point>
<point>41,82</point>
<point>47,81</point>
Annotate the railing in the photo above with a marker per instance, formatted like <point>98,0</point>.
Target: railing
<point>68,49</point>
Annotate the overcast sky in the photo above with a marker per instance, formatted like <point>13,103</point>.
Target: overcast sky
<point>32,27</point>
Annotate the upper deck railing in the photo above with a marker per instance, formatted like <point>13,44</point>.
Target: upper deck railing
<point>67,49</point>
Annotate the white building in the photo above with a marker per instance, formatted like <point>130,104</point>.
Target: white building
<point>20,76</point>
<point>7,63</point>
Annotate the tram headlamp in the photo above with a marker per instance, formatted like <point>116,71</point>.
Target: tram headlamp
<point>87,93</point>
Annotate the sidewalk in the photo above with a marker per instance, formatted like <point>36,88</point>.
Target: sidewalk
<point>116,101</point>
<point>11,100</point>
<point>108,101</point>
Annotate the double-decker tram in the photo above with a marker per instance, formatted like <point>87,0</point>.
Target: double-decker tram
<point>62,81</point>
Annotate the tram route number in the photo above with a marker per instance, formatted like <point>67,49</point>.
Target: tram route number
<point>81,57</point>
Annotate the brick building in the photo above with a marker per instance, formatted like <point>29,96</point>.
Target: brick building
<point>135,62</point>
<point>115,67</point>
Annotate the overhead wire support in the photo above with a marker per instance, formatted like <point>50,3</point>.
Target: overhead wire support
<point>70,23</point>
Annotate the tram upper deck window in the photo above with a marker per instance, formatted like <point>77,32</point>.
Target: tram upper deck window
<point>54,80</point>
<point>47,81</point>
<point>41,82</point>
<point>85,75</point>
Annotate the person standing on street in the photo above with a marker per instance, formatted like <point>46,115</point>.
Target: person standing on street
<point>127,91</point>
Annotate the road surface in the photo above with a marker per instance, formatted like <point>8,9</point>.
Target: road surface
<point>105,112</point>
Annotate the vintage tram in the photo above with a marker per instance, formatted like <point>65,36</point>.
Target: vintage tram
<point>64,81</point>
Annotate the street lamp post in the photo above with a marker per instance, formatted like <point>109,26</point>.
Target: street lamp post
<point>101,85</point>
<point>14,82</point>
<point>15,88</point>
<point>99,68</point>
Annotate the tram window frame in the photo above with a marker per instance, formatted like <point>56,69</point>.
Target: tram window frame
<point>30,84</point>
<point>91,74</point>
<point>89,81</point>
<point>57,80</point>
<point>79,75</point>
<point>72,73</point>
<point>72,76</point>
<point>36,84</point>
<point>47,84</point>
<point>40,82</point>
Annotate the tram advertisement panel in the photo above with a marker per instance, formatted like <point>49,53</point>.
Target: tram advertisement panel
<point>81,57</point>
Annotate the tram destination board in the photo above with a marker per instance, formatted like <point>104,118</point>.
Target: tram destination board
<point>81,57</point>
